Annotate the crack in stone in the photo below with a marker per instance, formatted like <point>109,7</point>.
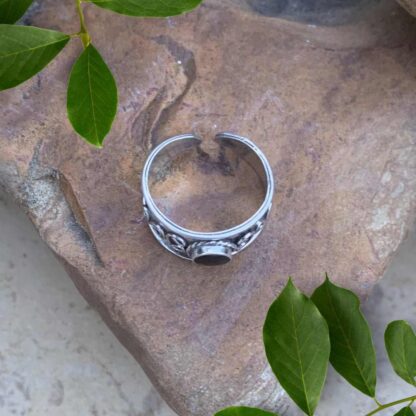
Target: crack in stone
<point>79,222</point>
<point>42,193</point>
<point>187,59</point>
<point>144,123</point>
<point>151,120</point>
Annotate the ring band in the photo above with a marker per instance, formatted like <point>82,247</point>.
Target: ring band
<point>208,248</point>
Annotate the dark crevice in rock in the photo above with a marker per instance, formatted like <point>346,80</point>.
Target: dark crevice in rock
<point>147,126</point>
<point>144,123</point>
<point>85,239</point>
<point>187,59</point>
<point>42,193</point>
<point>79,223</point>
<point>72,201</point>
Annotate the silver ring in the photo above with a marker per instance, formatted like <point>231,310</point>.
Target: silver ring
<point>208,248</point>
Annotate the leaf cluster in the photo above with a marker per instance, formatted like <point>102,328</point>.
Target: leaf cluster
<point>303,335</point>
<point>92,90</point>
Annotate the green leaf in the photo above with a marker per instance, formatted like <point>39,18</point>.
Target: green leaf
<point>12,10</point>
<point>406,411</point>
<point>148,8</point>
<point>400,340</point>
<point>92,97</point>
<point>352,349</point>
<point>244,411</point>
<point>297,346</point>
<point>25,50</point>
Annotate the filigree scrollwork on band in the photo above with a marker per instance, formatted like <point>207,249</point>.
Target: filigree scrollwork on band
<point>251,235</point>
<point>185,248</point>
<point>176,243</point>
<point>170,240</point>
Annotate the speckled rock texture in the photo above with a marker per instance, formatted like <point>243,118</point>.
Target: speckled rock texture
<point>330,102</point>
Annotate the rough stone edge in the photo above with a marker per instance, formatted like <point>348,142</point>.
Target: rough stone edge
<point>48,198</point>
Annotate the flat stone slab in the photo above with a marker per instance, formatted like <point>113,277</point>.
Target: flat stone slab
<point>332,106</point>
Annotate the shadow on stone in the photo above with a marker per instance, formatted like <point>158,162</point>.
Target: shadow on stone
<point>319,12</point>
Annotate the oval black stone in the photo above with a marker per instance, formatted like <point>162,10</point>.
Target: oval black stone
<point>212,259</point>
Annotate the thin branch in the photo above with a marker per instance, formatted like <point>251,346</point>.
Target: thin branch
<point>409,400</point>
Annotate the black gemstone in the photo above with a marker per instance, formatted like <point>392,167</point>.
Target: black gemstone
<point>212,259</point>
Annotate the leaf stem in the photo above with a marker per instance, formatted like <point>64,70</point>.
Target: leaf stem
<point>381,407</point>
<point>377,402</point>
<point>83,31</point>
